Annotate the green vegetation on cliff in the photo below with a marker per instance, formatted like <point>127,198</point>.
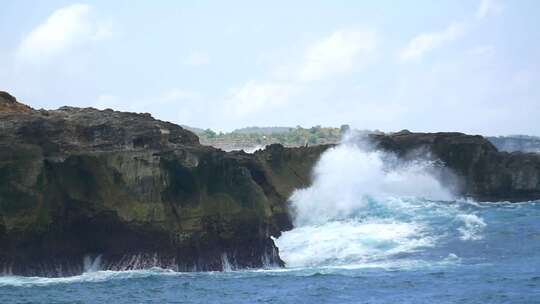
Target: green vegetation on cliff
<point>252,138</point>
<point>258,137</point>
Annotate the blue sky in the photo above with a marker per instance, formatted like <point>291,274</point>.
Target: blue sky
<point>469,66</point>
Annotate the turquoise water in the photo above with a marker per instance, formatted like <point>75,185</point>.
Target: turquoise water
<point>498,262</point>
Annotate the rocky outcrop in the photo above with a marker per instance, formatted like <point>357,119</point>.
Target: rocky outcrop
<point>136,192</point>
<point>9,104</point>
<point>483,173</point>
<point>82,186</point>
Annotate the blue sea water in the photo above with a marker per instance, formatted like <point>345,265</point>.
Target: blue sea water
<point>500,264</point>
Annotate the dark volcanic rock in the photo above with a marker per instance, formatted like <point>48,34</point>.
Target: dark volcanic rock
<point>484,173</point>
<point>137,192</point>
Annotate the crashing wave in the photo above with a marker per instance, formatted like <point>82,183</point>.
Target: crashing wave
<point>367,206</point>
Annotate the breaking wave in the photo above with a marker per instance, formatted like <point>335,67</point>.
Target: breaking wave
<point>368,207</point>
<point>89,276</point>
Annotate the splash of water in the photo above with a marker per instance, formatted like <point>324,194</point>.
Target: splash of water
<point>227,265</point>
<point>367,206</point>
<point>472,228</point>
<point>91,263</point>
<point>348,179</point>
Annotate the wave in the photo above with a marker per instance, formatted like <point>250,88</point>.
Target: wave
<point>369,207</point>
<point>89,276</point>
<point>349,242</point>
<point>105,276</point>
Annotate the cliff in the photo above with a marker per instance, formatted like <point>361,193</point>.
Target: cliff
<point>135,192</point>
<point>9,104</point>
<point>482,172</point>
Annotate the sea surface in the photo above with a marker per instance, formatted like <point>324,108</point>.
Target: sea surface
<point>369,230</point>
<point>499,263</point>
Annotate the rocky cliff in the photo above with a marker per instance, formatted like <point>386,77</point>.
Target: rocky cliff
<point>480,170</point>
<point>79,186</point>
<point>135,192</point>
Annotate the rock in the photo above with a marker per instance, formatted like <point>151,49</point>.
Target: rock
<point>9,104</point>
<point>138,192</point>
<point>483,173</point>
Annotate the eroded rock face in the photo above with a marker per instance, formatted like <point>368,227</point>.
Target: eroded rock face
<point>137,192</point>
<point>483,173</point>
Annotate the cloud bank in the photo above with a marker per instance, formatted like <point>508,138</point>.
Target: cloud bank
<point>65,28</point>
<point>427,42</point>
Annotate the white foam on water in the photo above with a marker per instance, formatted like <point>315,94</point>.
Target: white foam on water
<point>92,276</point>
<point>365,207</point>
<point>473,227</point>
<point>347,177</point>
<point>349,241</point>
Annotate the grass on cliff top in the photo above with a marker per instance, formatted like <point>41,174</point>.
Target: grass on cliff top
<point>287,136</point>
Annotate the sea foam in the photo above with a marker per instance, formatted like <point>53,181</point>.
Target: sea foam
<point>368,206</point>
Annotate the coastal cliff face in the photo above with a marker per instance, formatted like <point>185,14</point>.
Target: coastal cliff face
<point>82,186</point>
<point>135,192</point>
<point>481,171</point>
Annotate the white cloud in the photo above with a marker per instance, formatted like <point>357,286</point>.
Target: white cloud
<point>425,43</point>
<point>255,96</point>
<point>197,58</point>
<point>488,7</point>
<point>337,53</point>
<point>65,28</point>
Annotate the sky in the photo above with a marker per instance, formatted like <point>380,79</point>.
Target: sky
<point>460,65</point>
